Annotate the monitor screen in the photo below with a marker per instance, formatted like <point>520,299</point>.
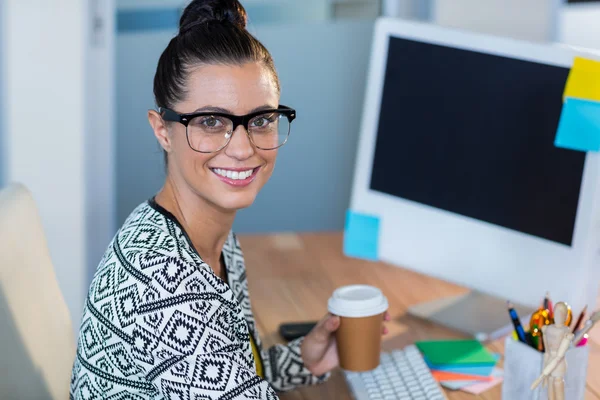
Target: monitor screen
<point>473,134</point>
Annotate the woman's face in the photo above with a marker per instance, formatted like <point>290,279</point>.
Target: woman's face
<point>237,90</point>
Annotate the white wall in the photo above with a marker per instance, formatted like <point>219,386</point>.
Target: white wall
<point>136,4</point>
<point>406,9</point>
<point>2,121</point>
<point>579,25</point>
<point>533,20</point>
<point>52,146</point>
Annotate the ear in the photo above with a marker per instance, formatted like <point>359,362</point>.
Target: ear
<point>159,127</point>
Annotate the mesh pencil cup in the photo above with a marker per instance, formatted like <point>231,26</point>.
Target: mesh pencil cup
<point>523,365</point>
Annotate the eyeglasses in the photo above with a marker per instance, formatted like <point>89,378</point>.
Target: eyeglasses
<point>209,132</point>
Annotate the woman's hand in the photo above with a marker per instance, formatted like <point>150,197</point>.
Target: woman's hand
<point>319,351</point>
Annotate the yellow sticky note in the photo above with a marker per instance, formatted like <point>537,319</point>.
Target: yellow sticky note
<point>584,80</point>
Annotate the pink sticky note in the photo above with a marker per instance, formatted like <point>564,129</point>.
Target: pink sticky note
<point>481,387</point>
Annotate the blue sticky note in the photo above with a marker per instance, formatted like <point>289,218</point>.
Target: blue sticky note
<point>361,236</point>
<point>579,126</point>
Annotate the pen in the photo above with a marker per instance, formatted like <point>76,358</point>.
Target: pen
<point>517,323</point>
<point>579,320</point>
<point>589,324</point>
<point>583,341</point>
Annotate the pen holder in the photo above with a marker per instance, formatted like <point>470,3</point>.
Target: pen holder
<point>523,365</point>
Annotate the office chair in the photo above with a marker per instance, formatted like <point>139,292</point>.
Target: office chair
<point>37,347</point>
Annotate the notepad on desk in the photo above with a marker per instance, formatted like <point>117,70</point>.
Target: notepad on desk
<point>477,369</point>
<point>476,386</point>
<point>461,364</point>
<point>456,352</point>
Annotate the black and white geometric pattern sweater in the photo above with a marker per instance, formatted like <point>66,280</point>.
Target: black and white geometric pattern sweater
<point>159,324</point>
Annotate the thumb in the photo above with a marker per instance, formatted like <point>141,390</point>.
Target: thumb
<point>326,327</point>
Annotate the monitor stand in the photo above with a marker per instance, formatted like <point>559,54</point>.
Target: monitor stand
<point>480,315</point>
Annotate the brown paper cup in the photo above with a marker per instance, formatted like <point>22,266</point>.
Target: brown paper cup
<point>359,342</point>
<point>358,338</point>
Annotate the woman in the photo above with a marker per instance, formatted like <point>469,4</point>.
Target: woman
<point>168,314</point>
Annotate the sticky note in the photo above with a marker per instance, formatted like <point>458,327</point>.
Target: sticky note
<point>497,377</point>
<point>455,352</point>
<point>453,376</point>
<point>584,80</point>
<point>480,387</point>
<point>361,236</point>
<point>475,369</point>
<point>579,125</point>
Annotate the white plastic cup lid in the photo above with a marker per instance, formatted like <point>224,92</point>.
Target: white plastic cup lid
<point>356,301</point>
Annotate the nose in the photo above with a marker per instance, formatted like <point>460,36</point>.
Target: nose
<point>240,147</point>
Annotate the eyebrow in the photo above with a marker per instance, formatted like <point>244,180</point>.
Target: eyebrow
<point>226,111</point>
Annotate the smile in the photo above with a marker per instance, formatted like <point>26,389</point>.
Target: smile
<point>236,177</point>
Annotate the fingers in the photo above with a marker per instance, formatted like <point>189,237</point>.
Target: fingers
<point>326,326</point>
<point>384,329</point>
<point>333,322</point>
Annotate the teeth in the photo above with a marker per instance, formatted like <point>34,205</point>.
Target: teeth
<point>236,175</point>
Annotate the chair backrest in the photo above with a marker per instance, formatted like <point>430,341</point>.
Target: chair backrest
<point>37,346</point>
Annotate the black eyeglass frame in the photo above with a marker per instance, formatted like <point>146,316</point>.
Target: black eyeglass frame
<point>237,120</point>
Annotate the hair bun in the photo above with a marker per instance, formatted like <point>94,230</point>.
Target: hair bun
<point>200,12</point>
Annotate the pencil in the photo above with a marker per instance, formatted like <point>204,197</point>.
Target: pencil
<point>548,305</point>
<point>579,320</point>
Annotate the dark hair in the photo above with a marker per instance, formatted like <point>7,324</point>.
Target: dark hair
<point>210,32</point>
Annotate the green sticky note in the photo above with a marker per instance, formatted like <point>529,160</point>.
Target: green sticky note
<point>456,352</point>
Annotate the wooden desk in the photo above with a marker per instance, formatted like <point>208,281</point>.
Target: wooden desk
<point>291,277</point>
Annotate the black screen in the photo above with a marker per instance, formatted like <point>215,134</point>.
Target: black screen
<point>473,134</point>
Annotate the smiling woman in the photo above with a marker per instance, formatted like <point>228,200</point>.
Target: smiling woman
<point>168,313</point>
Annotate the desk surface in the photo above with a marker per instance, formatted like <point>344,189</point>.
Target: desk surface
<point>291,276</point>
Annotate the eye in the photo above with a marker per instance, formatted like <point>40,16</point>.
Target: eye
<point>211,122</point>
<point>263,121</point>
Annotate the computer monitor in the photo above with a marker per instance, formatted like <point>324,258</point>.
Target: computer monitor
<point>456,157</point>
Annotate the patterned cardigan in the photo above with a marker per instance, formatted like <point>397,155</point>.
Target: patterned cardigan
<point>159,324</point>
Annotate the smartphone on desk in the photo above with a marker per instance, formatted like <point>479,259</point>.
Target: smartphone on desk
<point>293,330</point>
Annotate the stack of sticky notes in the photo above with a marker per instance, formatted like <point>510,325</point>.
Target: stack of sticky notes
<point>461,364</point>
<point>579,125</point>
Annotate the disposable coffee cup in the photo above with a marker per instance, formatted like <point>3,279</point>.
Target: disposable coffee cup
<point>361,309</point>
